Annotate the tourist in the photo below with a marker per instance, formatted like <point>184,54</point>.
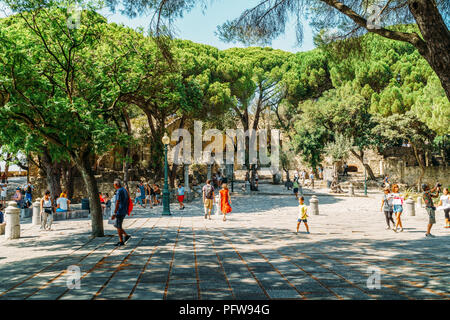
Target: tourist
<point>148,195</point>
<point>296,175</point>
<point>29,194</point>
<point>157,194</point>
<point>4,178</point>
<point>386,181</point>
<point>138,197</point>
<point>397,202</point>
<point>142,190</point>
<point>320,173</point>
<point>46,212</point>
<point>225,201</point>
<point>311,178</point>
<point>62,203</point>
<point>444,204</point>
<point>181,195</point>
<point>295,186</point>
<point>120,211</point>
<point>302,216</point>
<point>345,169</point>
<point>18,198</point>
<point>2,219</point>
<point>303,176</point>
<point>428,196</point>
<point>102,202</point>
<point>3,193</point>
<point>152,195</point>
<point>386,207</point>
<point>208,198</point>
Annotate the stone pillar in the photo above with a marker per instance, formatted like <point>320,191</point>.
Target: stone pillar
<point>187,188</point>
<point>410,208</point>
<point>12,220</point>
<point>314,205</point>
<point>208,176</point>
<point>419,203</point>
<point>351,190</point>
<point>381,168</point>
<point>36,220</point>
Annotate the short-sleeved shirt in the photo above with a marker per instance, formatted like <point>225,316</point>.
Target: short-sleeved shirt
<point>122,197</point>
<point>181,191</point>
<point>63,203</point>
<point>302,209</point>
<point>387,204</point>
<point>208,189</point>
<point>427,198</point>
<point>445,200</point>
<point>295,184</point>
<point>398,199</point>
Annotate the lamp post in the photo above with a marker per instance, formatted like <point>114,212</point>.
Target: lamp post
<point>166,194</point>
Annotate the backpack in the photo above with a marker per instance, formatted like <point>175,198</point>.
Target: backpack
<point>209,192</point>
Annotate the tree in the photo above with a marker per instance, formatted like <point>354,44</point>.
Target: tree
<point>55,89</point>
<point>338,150</point>
<point>397,128</point>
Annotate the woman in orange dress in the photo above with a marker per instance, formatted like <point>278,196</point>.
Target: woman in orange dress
<point>225,201</point>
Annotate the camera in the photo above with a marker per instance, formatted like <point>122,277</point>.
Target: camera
<point>438,185</point>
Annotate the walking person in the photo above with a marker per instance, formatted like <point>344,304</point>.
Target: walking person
<point>18,198</point>
<point>208,198</point>
<point>181,195</point>
<point>148,197</point>
<point>46,212</point>
<point>428,196</point>
<point>444,203</point>
<point>386,207</point>
<point>302,214</point>
<point>397,202</point>
<point>120,211</point>
<point>311,178</point>
<point>295,186</point>
<point>225,201</point>
<point>3,193</point>
<point>345,169</point>
<point>142,190</point>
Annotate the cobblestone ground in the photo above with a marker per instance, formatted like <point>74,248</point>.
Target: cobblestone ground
<point>254,255</point>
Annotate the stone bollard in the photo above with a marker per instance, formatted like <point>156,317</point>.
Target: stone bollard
<point>410,208</point>
<point>419,203</point>
<point>12,220</point>
<point>36,220</point>
<point>351,189</point>
<point>314,205</point>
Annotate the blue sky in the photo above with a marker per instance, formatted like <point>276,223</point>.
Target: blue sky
<point>200,26</point>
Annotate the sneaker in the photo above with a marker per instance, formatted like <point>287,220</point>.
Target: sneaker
<point>307,232</point>
<point>127,238</point>
<point>387,228</point>
<point>401,229</point>
<point>206,216</point>
<point>119,244</point>
<point>394,229</point>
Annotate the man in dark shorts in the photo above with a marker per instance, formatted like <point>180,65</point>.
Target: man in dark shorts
<point>428,196</point>
<point>121,210</point>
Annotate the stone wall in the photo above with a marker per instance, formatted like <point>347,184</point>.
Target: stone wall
<point>400,173</point>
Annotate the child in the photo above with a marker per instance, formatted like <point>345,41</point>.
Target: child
<point>1,213</point>
<point>295,185</point>
<point>181,196</point>
<point>386,207</point>
<point>302,209</point>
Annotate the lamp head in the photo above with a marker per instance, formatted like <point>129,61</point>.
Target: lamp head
<point>165,139</point>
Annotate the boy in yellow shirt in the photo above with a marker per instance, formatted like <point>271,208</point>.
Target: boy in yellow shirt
<point>302,209</point>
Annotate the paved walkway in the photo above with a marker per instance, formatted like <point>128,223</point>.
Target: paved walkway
<point>254,255</point>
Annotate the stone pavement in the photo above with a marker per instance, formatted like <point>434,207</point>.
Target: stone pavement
<point>254,255</point>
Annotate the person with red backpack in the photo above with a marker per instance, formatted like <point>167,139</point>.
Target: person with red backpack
<point>120,211</point>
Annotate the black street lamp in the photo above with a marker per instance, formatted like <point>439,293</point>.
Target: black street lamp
<point>166,194</point>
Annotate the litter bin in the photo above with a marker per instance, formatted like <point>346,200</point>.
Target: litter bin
<point>85,205</point>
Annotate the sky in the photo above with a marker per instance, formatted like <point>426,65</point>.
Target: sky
<point>199,26</point>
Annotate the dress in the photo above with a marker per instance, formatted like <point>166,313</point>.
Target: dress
<point>225,203</point>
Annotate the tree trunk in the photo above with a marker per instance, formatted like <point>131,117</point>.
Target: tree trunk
<point>68,174</point>
<point>360,157</point>
<point>421,165</point>
<point>84,166</point>
<point>53,175</point>
<point>436,36</point>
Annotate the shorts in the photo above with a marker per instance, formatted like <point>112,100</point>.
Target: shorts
<point>431,215</point>
<point>447,213</point>
<point>295,190</point>
<point>48,210</point>
<point>302,220</point>
<point>180,198</point>
<point>118,222</point>
<point>208,203</point>
<point>398,208</point>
